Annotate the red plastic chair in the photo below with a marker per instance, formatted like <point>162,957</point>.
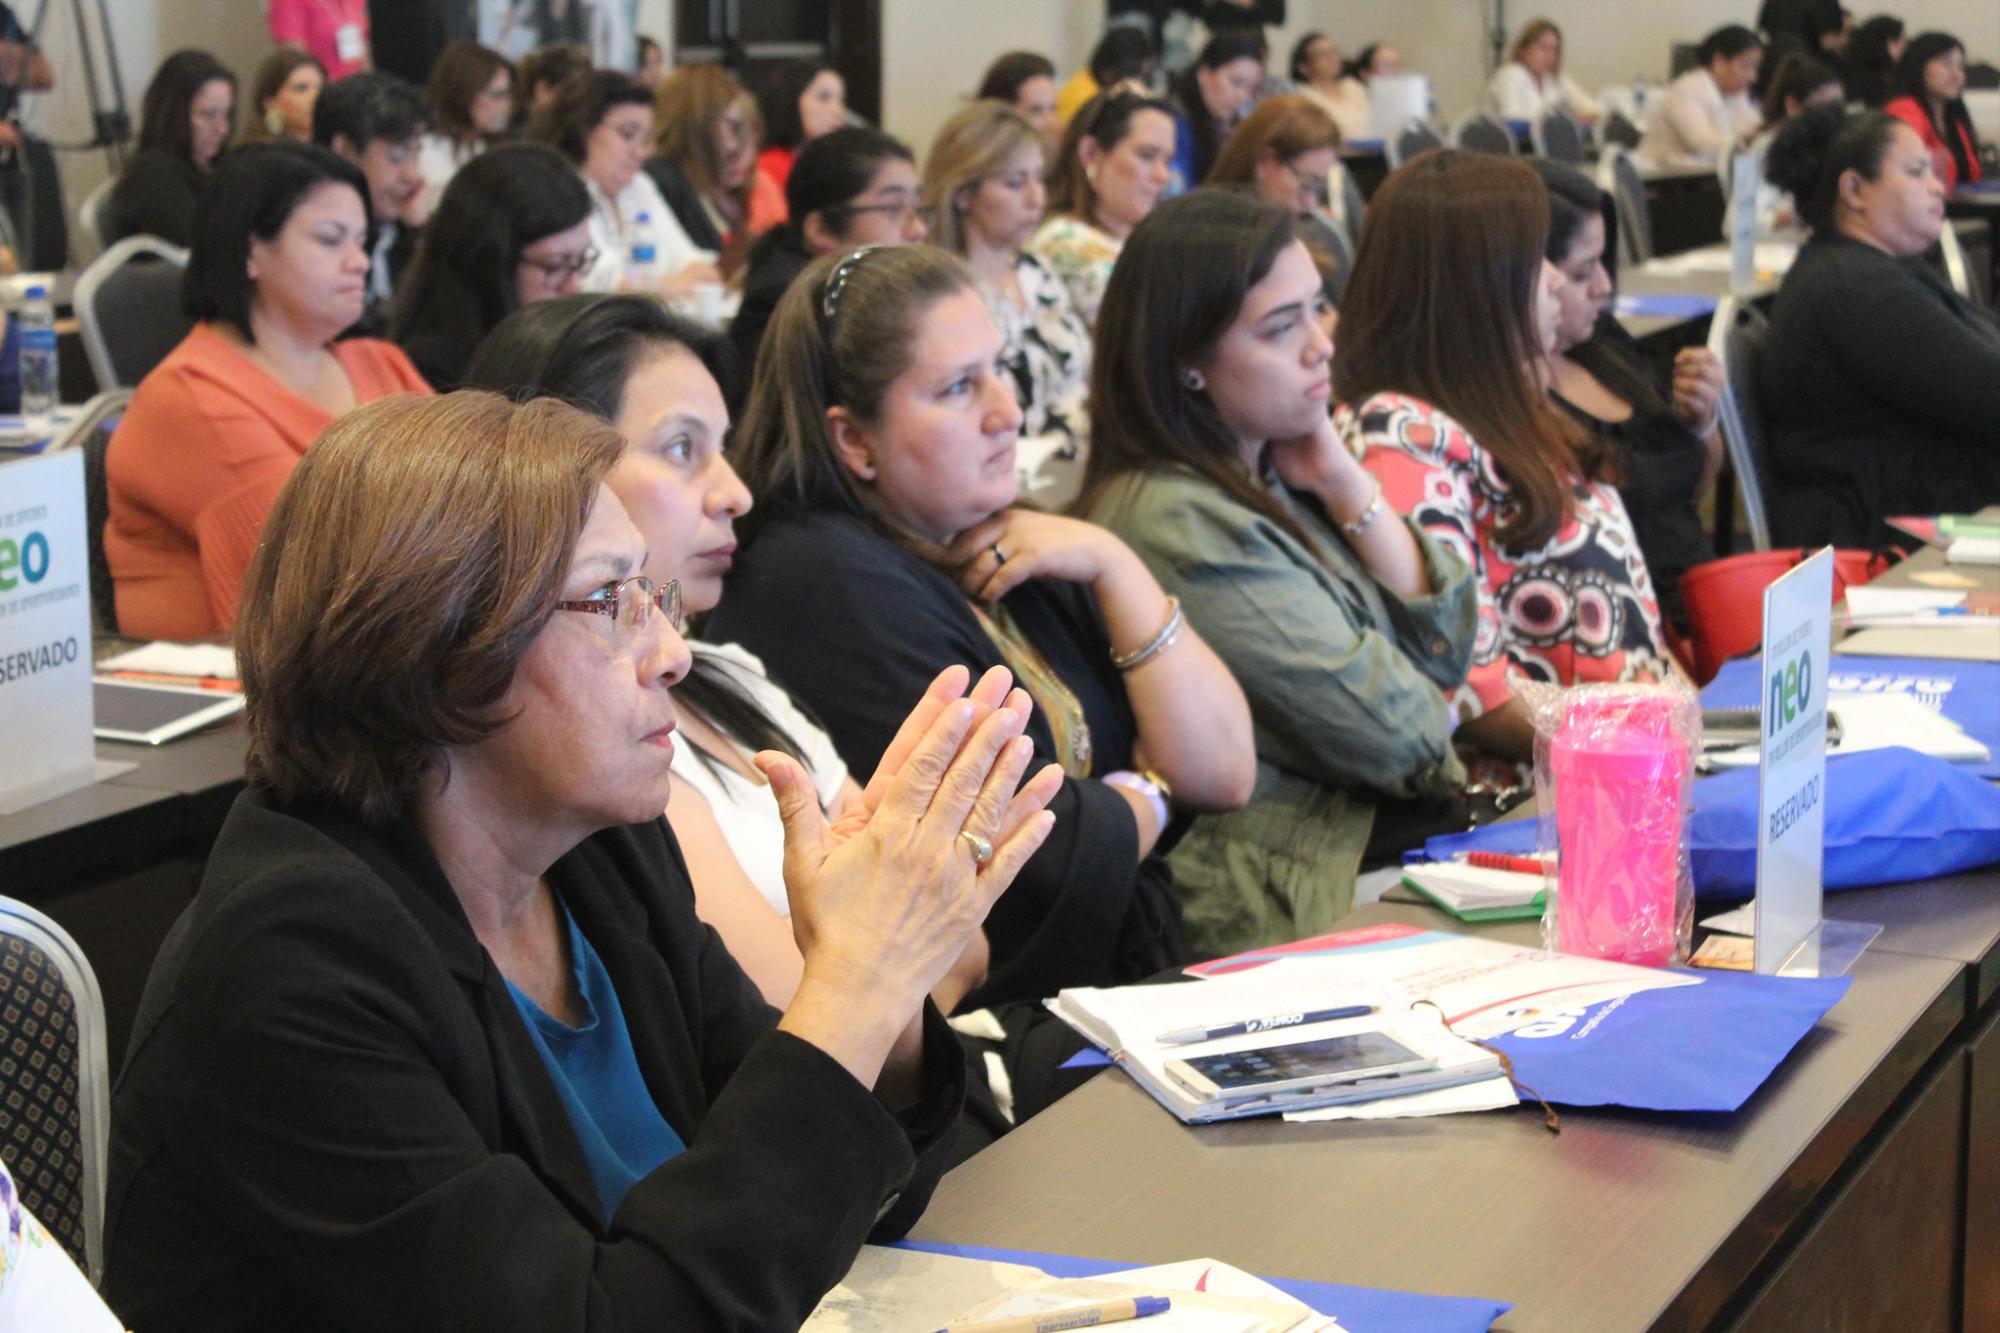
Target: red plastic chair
<point>1725,599</point>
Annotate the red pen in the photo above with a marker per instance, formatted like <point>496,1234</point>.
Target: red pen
<point>218,683</point>
<point>1526,865</point>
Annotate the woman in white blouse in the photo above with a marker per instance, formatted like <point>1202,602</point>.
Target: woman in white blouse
<point>654,377</point>
<point>602,121</point>
<point>471,100</point>
<point>1532,83</point>
<point>1710,104</point>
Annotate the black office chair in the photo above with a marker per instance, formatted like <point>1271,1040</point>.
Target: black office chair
<point>1413,136</point>
<point>1618,176</point>
<point>91,433</point>
<point>1558,138</point>
<point>31,193</point>
<point>1737,337</point>
<point>1618,130</point>
<point>140,279</point>
<point>55,1089</point>
<point>1477,132</point>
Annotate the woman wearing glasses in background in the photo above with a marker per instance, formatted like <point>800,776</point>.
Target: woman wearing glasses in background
<point>1282,153</point>
<point>513,228</point>
<point>444,976</point>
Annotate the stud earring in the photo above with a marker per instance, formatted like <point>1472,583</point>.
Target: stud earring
<point>1193,380</point>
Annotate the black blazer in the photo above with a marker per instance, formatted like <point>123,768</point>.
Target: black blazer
<point>332,1116</point>
<point>155,196</point>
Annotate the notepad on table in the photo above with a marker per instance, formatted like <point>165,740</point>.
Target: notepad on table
<point>1477,893</point>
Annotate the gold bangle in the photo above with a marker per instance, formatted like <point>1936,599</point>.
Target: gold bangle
<point>1162,639</point>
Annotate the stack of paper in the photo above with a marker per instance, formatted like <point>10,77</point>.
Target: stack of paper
<point>1927,608</point>
<point>1880,722</point>
<point>1477,893</point>
<point>1128,1022</point>
<point>212,661</point>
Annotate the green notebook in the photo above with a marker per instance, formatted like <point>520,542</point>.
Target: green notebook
<point>1526,911</point>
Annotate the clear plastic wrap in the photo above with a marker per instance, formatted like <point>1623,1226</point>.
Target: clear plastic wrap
<point>1614,772</point>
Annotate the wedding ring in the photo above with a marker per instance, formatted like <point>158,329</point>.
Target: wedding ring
<point>982,850</point>
<point>998,554</point>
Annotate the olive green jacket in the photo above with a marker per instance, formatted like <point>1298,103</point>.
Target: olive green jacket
<point>1346,685</point>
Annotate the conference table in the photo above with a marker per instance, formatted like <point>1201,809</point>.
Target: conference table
<point>1859,1188</point>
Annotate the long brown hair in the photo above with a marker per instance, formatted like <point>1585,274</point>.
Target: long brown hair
<point>1178,286</point>
<point>1289,126</point>
<point>1439,306</point>
<point>1105,120</point>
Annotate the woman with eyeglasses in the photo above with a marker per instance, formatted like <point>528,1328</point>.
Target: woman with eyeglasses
<point>471,101</point>
<point>705,163</point>
<point>851,187</point>
<point>602,121</point>
<point>1117,161</point>
<point>512,229</point>
<point>185,123</point>
<point>879,443</point>
<point>983,194</point>
<point>444,974</point>
<point>1282,153</point>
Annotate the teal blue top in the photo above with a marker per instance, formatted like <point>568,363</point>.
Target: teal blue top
<point>596,1073</point>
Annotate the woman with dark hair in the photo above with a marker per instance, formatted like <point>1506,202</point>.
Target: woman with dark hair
<point>879,442</point>
<point>1124,54</point>
<point>185,122</point>
<point>278,270</point>
<point>471,100</point>
<point>655,377</point>
<point>1532,83</point>
<point>542,71</point>
<point>602,121</point>
<point>800,102</point>
<point>1664,440</point>
<point>1209,99</point>
<point>1710,104</point>
<point>1442,378</point>
<point>1316,68</point>
<point>1026,83</point>
<point>512,229</point>
<point>1872,54</point>
<point>1928,95</point>
<point>1344,624</point>
<point>1117,161</point>
<point>705,163</point>
<point>1799,82</point>
<point>444,976</point>
<point>282,96</point>
<point>1879,385</point>
<point>851,187</point>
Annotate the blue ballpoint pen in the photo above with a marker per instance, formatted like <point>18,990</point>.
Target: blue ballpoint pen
<point>1182,1036</point>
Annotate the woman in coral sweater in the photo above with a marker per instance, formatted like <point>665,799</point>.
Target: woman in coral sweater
<point>278,268</point>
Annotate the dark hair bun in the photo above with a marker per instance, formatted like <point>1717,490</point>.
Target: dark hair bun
<point>1797,156</point>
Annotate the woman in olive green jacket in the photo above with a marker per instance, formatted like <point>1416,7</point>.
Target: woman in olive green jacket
<point>1344,624</point>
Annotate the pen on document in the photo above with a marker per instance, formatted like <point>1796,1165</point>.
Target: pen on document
<point>1182,1036</point>
<point>1526,865</point>
<point>1080,1316</point>
<point>222,683</point>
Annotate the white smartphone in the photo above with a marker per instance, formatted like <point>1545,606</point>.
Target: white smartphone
<point>1266,1071</point>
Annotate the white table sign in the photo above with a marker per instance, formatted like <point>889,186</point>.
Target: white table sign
<point>46,747</point>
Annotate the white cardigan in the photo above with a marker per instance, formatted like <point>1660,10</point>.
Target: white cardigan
<point>611,222</point>
<point>1516,94</point>
<point>1694,120</point>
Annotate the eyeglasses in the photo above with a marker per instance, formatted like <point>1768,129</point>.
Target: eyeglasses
<point>630,604</point>
<point>1314,186</point>
<point>898,213</point>
<point>556,269</point>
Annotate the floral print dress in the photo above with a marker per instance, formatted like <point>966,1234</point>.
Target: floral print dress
<point>1047,351</point>
<point>1580,608</point>
<point>1081,256</point>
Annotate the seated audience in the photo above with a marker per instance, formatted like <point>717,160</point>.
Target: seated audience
<point>1282,153</point>
<point>1316,73</point>
<point>1879,385</point>
<point>1800,82</point>
<point>1026,83</point>
<point>1117,162</point>
<point>1710,104</point>
<point>1124,54</point>
<point>447,933</point>
<point>879,443</point>
<point>377,122</point>
<point>705,163</point>
<point>335,31</point>
<point>656,378</point>
<point>982,190</point>
<point>1209,99</point>
<point>279,267</point>
<point>471,100</point>
<point>513,228</point>
<point>1928,95</point>
<point>1376,60</point>
<point>1664,440</point>
<point>799,102</point>
<point>850,188</point>
<point>652,63</point>
<point>602,121</point>
<point>1872,54</point>
<point>1532,83</point>
<point>185,122</point>
<point>1441,375</point>
<point>541,72</point>
<point>282,96</point>
<point>1216,461</point>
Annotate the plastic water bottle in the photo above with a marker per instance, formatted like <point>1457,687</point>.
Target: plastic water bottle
<point>644,269</point>
<point>38,362</point>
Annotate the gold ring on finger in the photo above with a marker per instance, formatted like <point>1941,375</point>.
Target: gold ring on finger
<point>982,850</point>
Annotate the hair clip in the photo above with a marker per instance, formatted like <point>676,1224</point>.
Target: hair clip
<point>836,282</point>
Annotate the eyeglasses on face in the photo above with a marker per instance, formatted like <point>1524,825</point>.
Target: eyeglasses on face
<point>898,213</point>
<point>630,604</point>
<point>1314,185</point>
<point>557,269</point>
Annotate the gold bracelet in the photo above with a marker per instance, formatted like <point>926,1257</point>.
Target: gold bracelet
<point>1162,639</point>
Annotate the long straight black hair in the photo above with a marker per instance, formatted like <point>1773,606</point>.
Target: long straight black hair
<point>1908,81</point>
<point>583,349</point>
